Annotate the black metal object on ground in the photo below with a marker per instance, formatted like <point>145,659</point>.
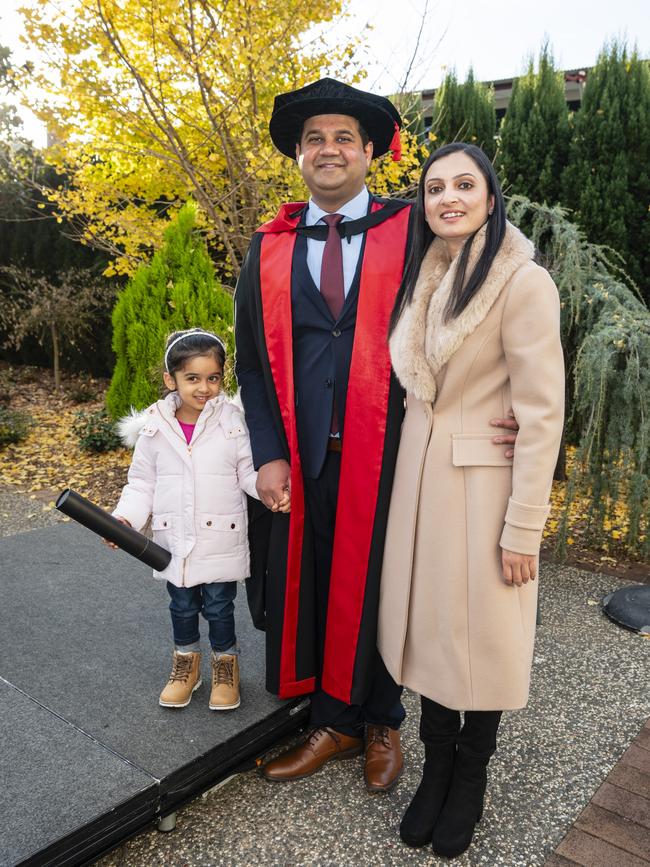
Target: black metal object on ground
<point>630,607</point>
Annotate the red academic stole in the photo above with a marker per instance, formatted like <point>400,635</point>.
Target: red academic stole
<point>363,442</point>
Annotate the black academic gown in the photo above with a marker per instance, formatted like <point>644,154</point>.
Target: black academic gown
<point>373,412</point>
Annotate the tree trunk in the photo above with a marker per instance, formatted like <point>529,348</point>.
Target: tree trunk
<point>55,357</point>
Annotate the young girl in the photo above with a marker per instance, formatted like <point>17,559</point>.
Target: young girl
<point>191,469</point>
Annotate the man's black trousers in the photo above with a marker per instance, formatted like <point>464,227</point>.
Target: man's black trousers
<point>382,705</point>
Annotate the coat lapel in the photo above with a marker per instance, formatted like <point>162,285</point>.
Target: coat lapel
<point>422,342</point>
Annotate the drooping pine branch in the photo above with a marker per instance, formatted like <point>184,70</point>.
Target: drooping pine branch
<point>606,336</point>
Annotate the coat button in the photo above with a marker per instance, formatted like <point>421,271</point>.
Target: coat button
<point>232,526</point>
<point>336,332</point>
<point>328,383</point>
<point>209,523</point>
<point>164,523</point>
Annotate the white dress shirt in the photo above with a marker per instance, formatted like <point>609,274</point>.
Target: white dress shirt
<point>351,247</point>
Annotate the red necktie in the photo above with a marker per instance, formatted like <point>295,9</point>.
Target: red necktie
<point>331,283</point>
<point>331,272</point>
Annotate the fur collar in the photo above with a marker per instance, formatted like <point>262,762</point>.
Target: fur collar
<point>129,426</point>
<point>422,343</point>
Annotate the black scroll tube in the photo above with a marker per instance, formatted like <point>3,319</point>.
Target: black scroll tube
<point>91,516</point>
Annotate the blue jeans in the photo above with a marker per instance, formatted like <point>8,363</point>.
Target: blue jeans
<point>216,602</point>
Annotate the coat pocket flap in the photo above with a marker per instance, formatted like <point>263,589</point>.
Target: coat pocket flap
<point>478,450</point>
<point>161,522</point>
<point>231,523</point>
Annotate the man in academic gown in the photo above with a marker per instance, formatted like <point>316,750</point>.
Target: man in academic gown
<point>324,411</point>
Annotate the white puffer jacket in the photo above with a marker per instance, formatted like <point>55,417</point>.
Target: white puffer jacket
<point>195,493</point>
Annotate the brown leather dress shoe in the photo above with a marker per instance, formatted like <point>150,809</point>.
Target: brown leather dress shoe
<point>320,746</point>
<point>384,760</point>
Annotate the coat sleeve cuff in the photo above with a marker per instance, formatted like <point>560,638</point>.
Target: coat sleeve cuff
<point>522,532</point>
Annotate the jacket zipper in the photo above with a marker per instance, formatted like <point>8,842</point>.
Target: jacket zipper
<point>190,445</point>
<point>189,449</point>
<point>180,435</point>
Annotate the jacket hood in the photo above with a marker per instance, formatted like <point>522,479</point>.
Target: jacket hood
<point>128,427</point>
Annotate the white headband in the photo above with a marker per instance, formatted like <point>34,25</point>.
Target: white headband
<point>192,334</point>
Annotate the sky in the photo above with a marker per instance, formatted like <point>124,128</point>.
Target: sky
<point>495,37</point>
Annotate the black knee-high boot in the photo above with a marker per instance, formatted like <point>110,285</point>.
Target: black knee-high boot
<point>463,808</point>
<point>439,729</point>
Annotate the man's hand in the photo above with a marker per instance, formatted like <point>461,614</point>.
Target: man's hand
<point>509,423</point>
<point>518,569</point>
<point>274,484</point>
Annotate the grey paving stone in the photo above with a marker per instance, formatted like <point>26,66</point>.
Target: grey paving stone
<point>85,630</point>
<point>44,764</point>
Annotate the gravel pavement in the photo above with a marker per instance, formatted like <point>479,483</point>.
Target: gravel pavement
<point>21,512</point>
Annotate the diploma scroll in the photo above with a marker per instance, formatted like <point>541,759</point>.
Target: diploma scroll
<point>91,516</point>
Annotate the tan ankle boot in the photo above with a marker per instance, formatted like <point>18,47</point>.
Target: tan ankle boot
<point>184,679</point>
<point>225,682</point>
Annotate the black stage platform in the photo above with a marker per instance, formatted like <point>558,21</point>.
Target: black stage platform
<point>87,756</point>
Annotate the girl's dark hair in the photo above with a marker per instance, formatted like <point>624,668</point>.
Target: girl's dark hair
<point>421,237</point>
<point>195,341</point>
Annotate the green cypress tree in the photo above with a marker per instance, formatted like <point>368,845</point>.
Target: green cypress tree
<point>464,112</point>
<point>177,289</point>
<point>534,135</point>
<point>607,182</point>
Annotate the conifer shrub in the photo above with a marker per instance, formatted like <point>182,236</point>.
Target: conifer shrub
<point>607,181</point>
<point>14,426</point>
<point>534,136</point>
<point>177,289</point>
<point>606,338</point>
<point>464,111</point>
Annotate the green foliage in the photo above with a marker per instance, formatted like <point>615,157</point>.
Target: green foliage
<point>14,426</point>
<point>534,135</point>
<point>56,312</point>
<point>607,182</point>
<point>96,431</point>
<point>30,233</point>
<point>464,112</point>
<point>82,394</point>
<point>10,122</point>
<point>33,240</point>
<point>606,335</point>
<point>177,289</point>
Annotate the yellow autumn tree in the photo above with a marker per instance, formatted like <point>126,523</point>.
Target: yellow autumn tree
<point>151,102</point>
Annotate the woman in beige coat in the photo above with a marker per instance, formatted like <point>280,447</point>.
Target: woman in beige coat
<point>476,330</point>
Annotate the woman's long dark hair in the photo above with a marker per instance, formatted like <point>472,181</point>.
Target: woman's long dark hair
<point>421,237</point>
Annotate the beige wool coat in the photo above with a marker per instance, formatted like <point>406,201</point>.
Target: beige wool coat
<point>449,626</point>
